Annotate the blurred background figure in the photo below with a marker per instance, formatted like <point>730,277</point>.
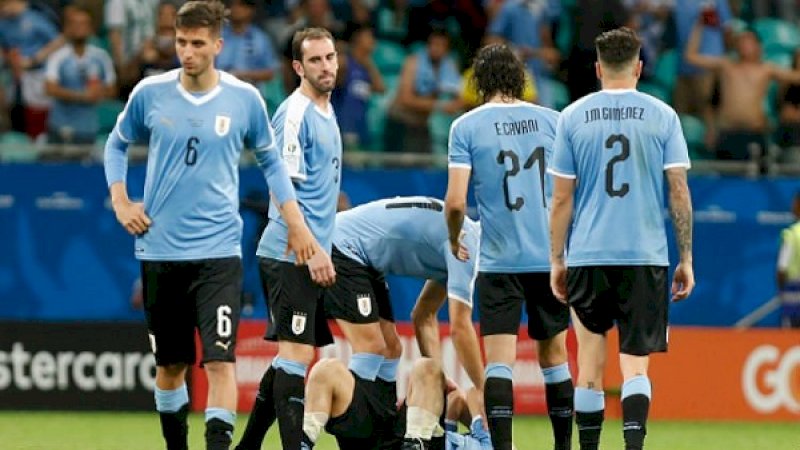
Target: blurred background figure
<point>129,24</point>
<point>788,273</point>
<point>357,80</point>
<point>158,52</point>
<point>247,51</point>
<point>527,26</point>
<point>788,133</point>
<point>429,81</point>
<point>27,38</point>
<point>78,76</point>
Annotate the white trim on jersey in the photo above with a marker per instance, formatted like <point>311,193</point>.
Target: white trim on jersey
<point>459,298</point>
<point>203,99</point>
<point>460,166</point>
<point>292,150</point>
<point>686,165</point>
<point>552,171</point>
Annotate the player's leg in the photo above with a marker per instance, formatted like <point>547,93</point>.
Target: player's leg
<point>171,329</point>
<point>425,400</point>
<point>217,291</point>
<point>592,300</point>
<point>548,320</point>
<point>329,393</point>
<point>500,302</point>
<point>352,302</point>
<point>642,327</point>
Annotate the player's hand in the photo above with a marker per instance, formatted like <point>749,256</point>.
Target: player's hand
<point>302,243</point>
<point>459,249</point>
<point>558,280</point>
<point>682,281</point>
<point>321,268</point>
<point>132,217</point>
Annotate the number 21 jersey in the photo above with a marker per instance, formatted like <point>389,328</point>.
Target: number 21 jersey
<point>507,147</point>
<point>617,145</point>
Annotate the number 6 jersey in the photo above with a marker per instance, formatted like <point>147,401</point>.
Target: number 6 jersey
<point>617,145</point>
<point>191,191</point>
<point>507,147</point>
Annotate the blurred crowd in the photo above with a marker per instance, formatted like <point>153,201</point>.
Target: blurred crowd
<point>729,67</point>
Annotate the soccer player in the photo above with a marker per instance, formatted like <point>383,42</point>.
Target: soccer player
<point>311,147</point>
<point>504,145</point>
<point>196,120</point>
<point>351,409</point>
<point>612,151</point>
<point>403,236</point>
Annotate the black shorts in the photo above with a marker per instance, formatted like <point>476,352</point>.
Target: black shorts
<point>360,294</point>
<point>295,304</point>
<point>500,299</point>
<point>180,296</point>
<point>369,420</point>
<point>635,297</point>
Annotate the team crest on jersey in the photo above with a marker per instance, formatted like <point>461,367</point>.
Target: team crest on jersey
<point>222,125</point>
<point>298,323</point>
<point>364,304</point>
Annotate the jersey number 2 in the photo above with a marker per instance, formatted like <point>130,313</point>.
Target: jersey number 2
<point>537,155</point>
<point>622,156</point>
<point>191,151</point>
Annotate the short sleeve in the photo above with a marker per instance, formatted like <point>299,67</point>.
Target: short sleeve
<point>563,164</point>
<point>458,151</point>
<point>130,123</point>
<point>52,66</point>
<point>676,153</point>
<point>292,139</point>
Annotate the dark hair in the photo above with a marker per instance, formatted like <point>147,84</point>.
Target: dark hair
<point>201,14</point>
<point>439,32</point>
<point>618,47</point>
<point>497,70</point>
<point>307,34</point>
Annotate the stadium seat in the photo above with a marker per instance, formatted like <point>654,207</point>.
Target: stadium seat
<point>439,125</point>
<point>273,92</point>
<point>565,32</point>
<point>376,111</point>
<point>656,91</point>
<point>17,147</point>
<point>694,130</point>
<point>666,70</point>
<point>558,92</point>
<point>107,112</point>
<point>389,56</point>
<point>777,32</point>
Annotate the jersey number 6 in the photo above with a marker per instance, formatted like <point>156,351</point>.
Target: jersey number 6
<point>191,151</point>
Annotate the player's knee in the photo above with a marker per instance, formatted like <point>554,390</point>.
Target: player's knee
<point>553,351</point>
<point>327,370</point>
<point>172,371</point>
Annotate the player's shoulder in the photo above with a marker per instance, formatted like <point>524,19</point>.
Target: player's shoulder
<point>154,83</point>
<point>238,86</point>
<point>661,106</point>
<point>578,104</point>
<point>63,52</point>
<point>293,108</point>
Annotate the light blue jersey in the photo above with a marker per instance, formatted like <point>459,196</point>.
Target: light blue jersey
<point>617,144</point>
<point>407,236</point>
<point>507,147</point>
<point>191,192</point>
<point>311,148</point>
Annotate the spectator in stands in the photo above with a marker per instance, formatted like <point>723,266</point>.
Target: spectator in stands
<point>526,25</point>
<point>650,18</point>
<point>247,52</point>
<point>158,52</point>
<point>358,78</point>
<point>744,82</point>
<point>788,270</point>
<point>788,133</point>
<point>27,38</point>
<point>309,13</point>
<point>429,81</point>
<point>592,18</point>
<point>78,76</point>
<point>694,85</point>
<point>129,23</point>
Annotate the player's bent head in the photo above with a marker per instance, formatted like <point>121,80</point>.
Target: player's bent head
<point>497,70</point>
<point>618,50</point>
<point>197,14</point>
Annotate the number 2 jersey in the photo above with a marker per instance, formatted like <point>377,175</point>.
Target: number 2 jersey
<point>507,147</point>
<point>191,191</point>
<point>617,145</point>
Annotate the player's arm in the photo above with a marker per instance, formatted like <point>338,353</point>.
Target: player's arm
<point>406,96</point>
<point>423,317</point>
<point>784,257</point>
<point>455,207</point>
<point>560,218</point>
<point>782,75</point>
<point>693,55</point>
<point>680,208</point>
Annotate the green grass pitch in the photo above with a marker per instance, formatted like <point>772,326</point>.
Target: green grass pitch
<point>140,431</point>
